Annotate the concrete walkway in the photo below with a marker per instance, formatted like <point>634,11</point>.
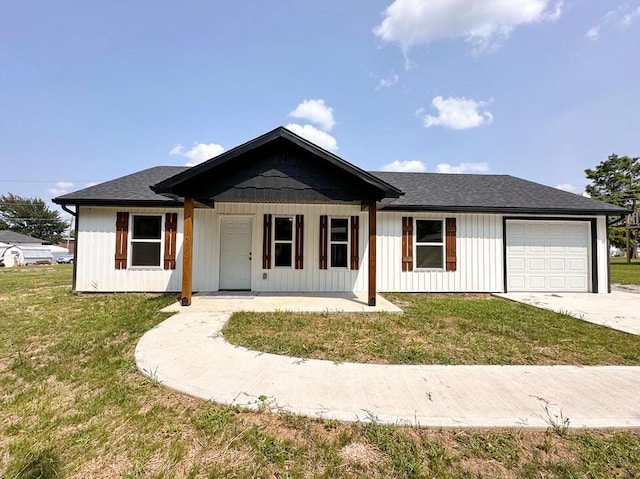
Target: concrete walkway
<point>618,310</point>
<point>187,353</point>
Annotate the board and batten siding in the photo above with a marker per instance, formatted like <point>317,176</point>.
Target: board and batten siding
<point>479,245</point>
<point>95,250</point>
<point>479,256</point>
<point>310,278</point>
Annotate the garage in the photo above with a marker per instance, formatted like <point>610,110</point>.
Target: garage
<point>548,255</point>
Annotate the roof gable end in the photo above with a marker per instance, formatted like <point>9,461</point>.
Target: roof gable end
<point>284,166</point>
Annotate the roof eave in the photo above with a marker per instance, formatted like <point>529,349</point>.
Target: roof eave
<point>116,202</point>
<point>506,210</point>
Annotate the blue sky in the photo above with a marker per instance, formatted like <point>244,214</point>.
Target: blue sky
<point>539,89</point>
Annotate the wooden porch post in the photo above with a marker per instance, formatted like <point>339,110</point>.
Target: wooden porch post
<point>372,253</point>
<point>187,253</point>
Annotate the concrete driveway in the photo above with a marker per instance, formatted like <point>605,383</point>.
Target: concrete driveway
<point>187,353</point>
<point>618,310</point>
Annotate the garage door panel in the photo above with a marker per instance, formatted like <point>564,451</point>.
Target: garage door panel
<point>534,229</point>
<point>516,264</point>
<point>548,255</point>
<point>516,282</point>
<point>556,264</point>
<point>577,265</point>
<point>536,264</point>
<point>556,282</point>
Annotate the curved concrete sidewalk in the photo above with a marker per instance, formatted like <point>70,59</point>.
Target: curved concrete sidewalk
<point>187,353</point>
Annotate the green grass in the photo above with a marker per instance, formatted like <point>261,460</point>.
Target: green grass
<point>623,273</point>
<point>437,329</point>
<point>73,405</point>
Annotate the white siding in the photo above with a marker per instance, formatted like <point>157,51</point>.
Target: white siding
<point>311,278</point>
<point>479,245</point>
<point>96,249</point>
<point>479,256</point>
<point>95,255</point>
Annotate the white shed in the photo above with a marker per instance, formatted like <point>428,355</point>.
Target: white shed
<point>26,254</point>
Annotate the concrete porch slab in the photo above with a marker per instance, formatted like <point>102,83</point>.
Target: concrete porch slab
<point>232,301</point>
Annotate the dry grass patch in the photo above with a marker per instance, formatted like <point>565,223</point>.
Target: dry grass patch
<point>73,405</point>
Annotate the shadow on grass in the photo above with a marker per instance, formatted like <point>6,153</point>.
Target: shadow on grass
<point>35,465</point>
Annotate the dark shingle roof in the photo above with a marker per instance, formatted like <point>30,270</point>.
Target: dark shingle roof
<point>423,191</point>
<point>11,237</point>
<point>484,193</point>
<point>131,189</point>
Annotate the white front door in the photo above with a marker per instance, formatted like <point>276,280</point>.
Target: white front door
<point>235,253</point>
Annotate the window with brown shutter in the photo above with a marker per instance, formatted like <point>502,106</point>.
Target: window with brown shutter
<point>299,249</point>
<point>407,243</point>
<point>122,239</point>
<point>355,242</point>
<point>450,241</point>
<point>266,242</point>
<point>324,233</point>
<point>170,238</point>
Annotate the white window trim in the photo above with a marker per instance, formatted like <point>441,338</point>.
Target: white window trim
<point>348,242</point>
<point>132,240</point>
<point>431,243</point>
<point>291,242</point>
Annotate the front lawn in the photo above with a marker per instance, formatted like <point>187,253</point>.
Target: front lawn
<point>437,329</point>
<point>623,273</point>
<point>73,405</point>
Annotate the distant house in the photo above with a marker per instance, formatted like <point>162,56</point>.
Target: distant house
<point>278,213</point>
<point>69,244</point>
<point>11,237</point>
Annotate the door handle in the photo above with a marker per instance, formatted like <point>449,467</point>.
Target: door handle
<point>250,255</point>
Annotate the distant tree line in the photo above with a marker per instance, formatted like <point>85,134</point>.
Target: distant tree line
<point>32,217</point>
<point>616,180</point>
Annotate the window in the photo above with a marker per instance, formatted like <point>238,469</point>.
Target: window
<point>429,244</point>
<point>283,241</point>
<point>146,241</point>
<point>339,239</point>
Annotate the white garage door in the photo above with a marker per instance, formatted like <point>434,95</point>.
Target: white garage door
<point>548,256</point>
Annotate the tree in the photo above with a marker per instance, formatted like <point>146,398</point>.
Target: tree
<point>32,217</point>
<point>617,181</point>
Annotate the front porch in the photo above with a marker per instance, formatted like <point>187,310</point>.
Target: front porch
<point>233,301</point>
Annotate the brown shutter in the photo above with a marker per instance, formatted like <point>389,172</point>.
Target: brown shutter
<point>407,243</point>
<point>355,242</point>
<point>450,244</point>
<point>324,233</point>
<point>299,241</point>
<point>170,236</point>
<point>122,239</point>
<point>266,242</point>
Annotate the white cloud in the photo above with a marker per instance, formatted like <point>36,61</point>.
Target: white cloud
<point>198,153</point>
<point>314,135</point>
<point>631,16</point>
<point>570,188</point>
<point>61,188</point>
<point>593,33</point>
<point>620,16</point>
<point>317,112</point>
<point>457,113</point>
<point>405,166</point>
<point>483,24</point>
<point>462,168</point>
<point>387,82</point>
